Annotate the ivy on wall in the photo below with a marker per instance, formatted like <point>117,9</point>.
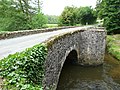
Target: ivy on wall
<point>24,70</point>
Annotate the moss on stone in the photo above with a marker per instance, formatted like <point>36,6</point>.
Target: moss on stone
<point>54,39</point>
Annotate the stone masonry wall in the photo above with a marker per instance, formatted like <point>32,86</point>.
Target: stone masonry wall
<point>90,48</point>
<point>20,33</point>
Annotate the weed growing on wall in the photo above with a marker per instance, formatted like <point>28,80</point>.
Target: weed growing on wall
<point>24,70</point>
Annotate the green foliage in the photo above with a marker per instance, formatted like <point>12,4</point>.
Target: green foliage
<point>68,16</point>
<point>112,12</point>
<point>51,25</point>
<point>38,21</point>
<point>52,19</point>
<point>109,10</point>
<point>12,18</point>
<point>74,15</point>
<point>25,70</point>
<point>86,15</point>
<point>99,8</point>
<point>113,45</point>
<point>20,15</point>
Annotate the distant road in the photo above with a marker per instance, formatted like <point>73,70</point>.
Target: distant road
<point>13,45</point>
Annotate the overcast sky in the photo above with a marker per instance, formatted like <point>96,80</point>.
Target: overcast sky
<point>55,7</point>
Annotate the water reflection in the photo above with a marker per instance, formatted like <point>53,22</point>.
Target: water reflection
<point>104,77</point>
<point>114,68</point>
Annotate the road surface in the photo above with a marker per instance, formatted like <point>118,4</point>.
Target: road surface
<point>13,45</point>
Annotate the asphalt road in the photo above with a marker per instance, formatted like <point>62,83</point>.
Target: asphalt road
<point>13,45</point>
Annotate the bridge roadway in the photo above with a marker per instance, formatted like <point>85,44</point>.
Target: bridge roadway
<point>18,44</point>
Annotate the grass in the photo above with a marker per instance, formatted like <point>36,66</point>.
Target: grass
<point>56,25</point>
<point>44,26</point>
<point>113,45</point>
<point>51,25</point>
<point>2,32</point>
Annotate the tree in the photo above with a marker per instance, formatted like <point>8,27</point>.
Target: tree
<point>99,8</point>
<point>9,16</point>
<point>20,14</point>
<point>86,15</point>
<point>74,15</point>
<point>111,15</point>
<point>38,20</point>
<point>68,16</point>
<point>52,19</point>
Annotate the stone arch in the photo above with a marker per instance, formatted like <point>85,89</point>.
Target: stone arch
<point>71,58</point>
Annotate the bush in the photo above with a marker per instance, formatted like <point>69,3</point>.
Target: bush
<point>68,17</point>
<point>38,21</point>
<point>24,70</point>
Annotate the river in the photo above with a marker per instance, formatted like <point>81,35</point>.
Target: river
<point>103,77</point>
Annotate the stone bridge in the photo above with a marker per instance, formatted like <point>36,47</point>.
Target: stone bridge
<point>82,46</point>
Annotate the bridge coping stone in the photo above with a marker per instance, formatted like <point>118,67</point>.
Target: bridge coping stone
<point>8,35</point>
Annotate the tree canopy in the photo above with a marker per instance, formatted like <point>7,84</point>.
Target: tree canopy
<point>20,14</point>
<point>52,19</point>
<point>86,15</point>
<point>73,15</point>
<point>68,16</point>
<point>109,11</point>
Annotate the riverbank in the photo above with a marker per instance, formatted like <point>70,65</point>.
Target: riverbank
<point>113,45</point>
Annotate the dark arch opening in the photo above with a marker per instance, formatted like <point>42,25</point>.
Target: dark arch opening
<point>71,60</point>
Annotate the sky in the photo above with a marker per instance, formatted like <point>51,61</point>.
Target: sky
<point>55,7</point>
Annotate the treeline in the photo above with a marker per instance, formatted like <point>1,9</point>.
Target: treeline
<point>21,14</point>
<point>52,19</point>
<point>73,15</point>
<point>106,10</point>
<point>26,14</point>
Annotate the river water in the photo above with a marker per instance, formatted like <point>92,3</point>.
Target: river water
<point>104,77</point>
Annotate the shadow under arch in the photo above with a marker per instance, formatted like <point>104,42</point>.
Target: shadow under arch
<point>71,59</point>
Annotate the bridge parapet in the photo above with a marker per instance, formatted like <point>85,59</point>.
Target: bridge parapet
<point>89,45</point>
<point>14,34</point>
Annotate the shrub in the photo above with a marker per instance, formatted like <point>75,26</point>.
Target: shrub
<point>24,70</point>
